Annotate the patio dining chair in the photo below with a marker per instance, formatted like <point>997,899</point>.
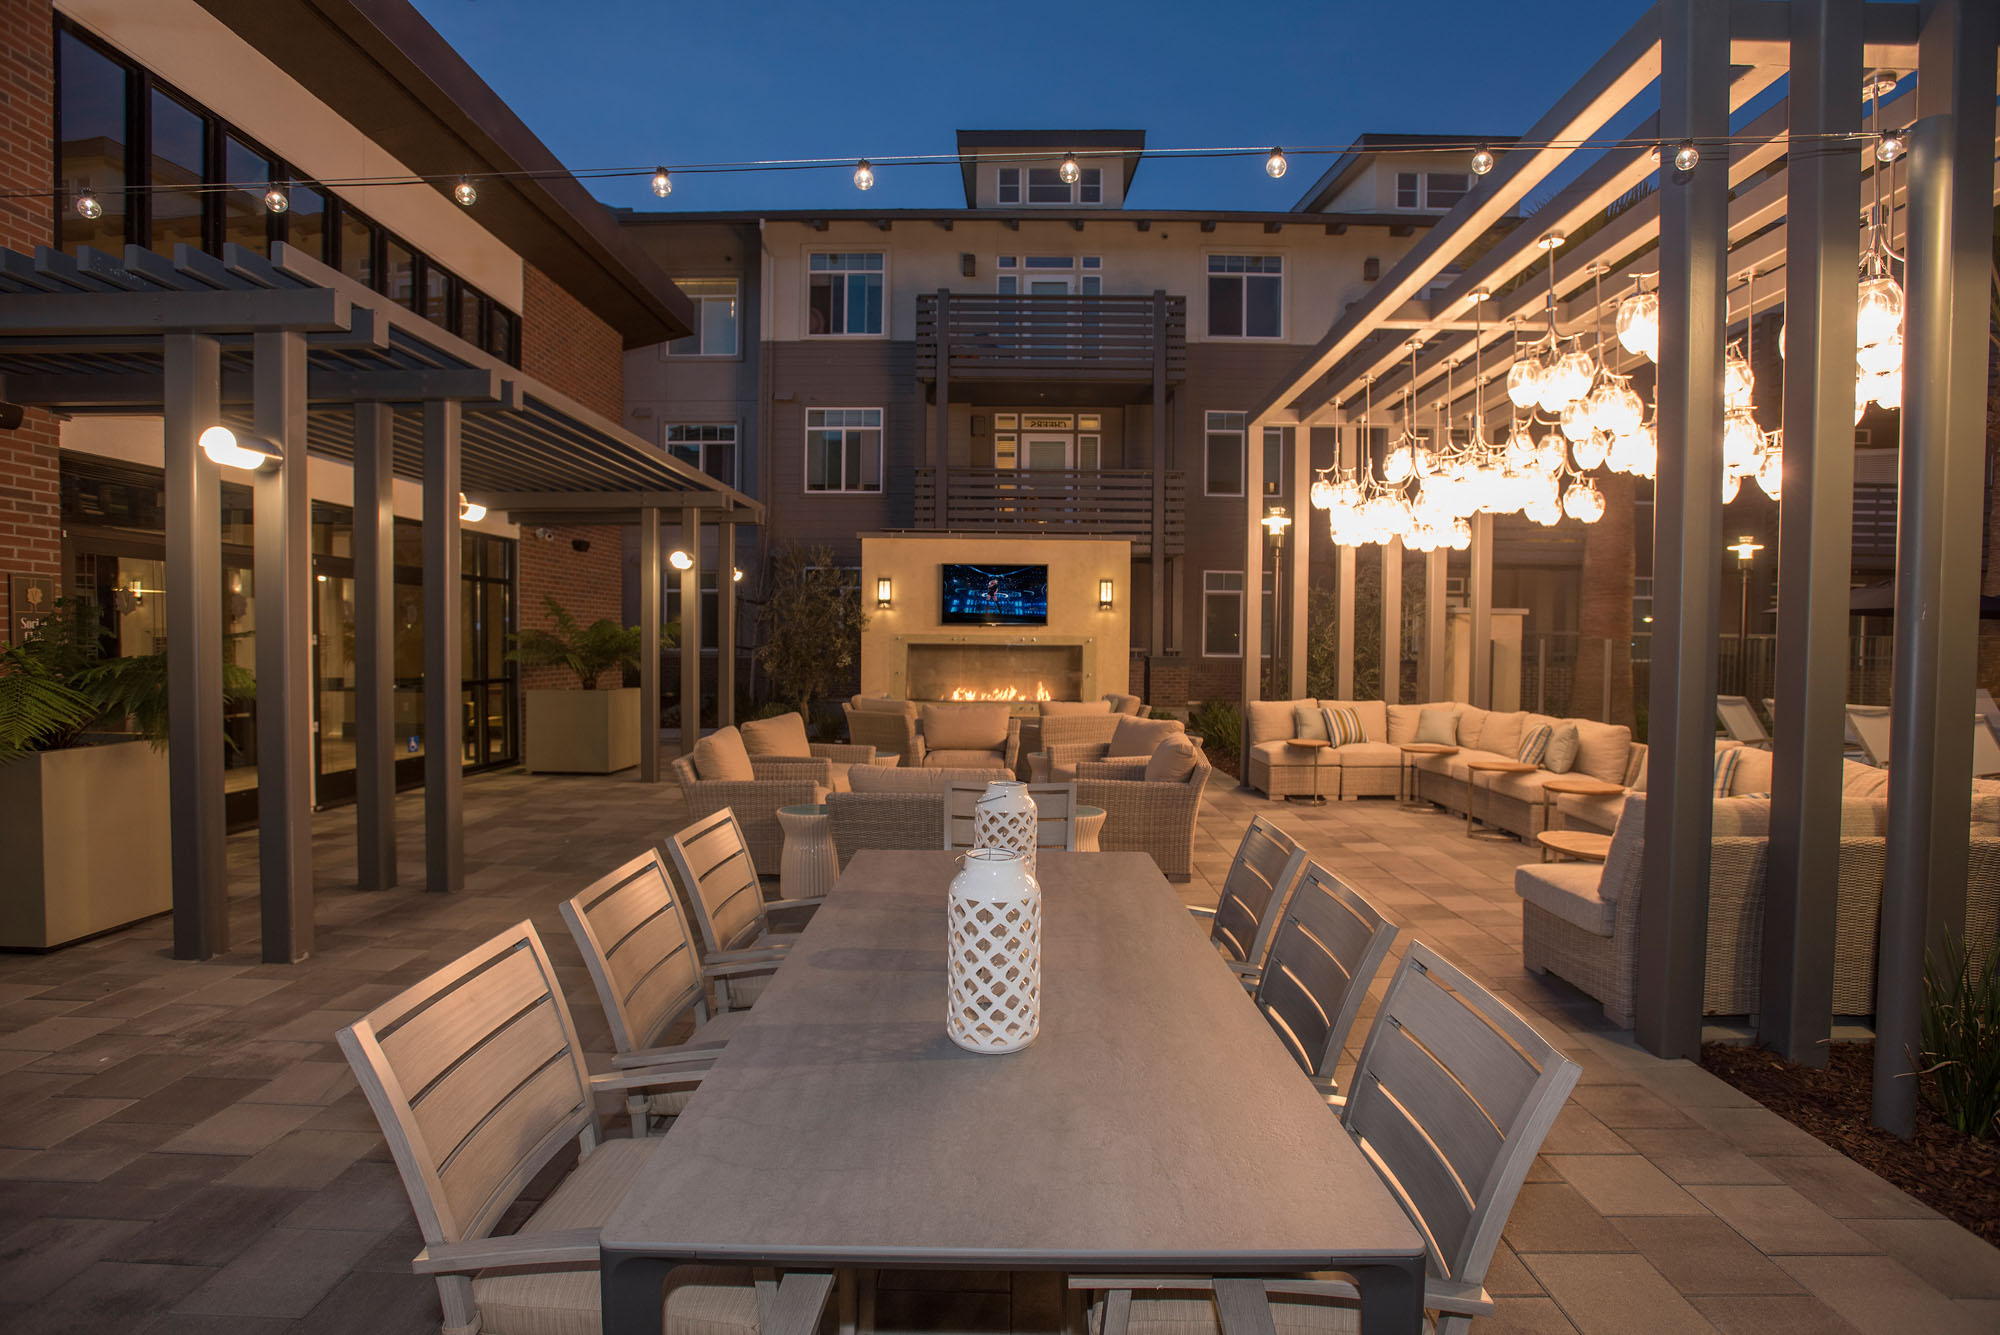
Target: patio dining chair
<point>478,1082</point>
<point>1451,1100</point>
<point>1329,944</point>
<point>720,892</point>
<point>1055,811</point>
<point>1246,913</point>
<point>634,940</point>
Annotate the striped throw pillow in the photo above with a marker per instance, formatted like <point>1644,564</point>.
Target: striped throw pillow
<point>1536,744</point>
<point>1343,725</point>
<point>1725,769</point>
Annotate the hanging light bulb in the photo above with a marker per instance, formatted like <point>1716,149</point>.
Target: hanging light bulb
<point>1887,388</point>
<point>1520,450</point>
<point>1524,382</point>
<point>1771,472</point>
<point>1461,535</point>
<point>1890,146</point>
<point>1274,166</point>
<point>1482,161</point>
<point>663,182</point>
<point>1880,358</point>
<point>1613,408</point>
<point>1576,422</point>
<point>1576,370</point>
<point>1321,494</point>
<point>88,207</point>
<point>1732,482</point>
<point>1398,466</point>
<point>1589,452</point>
<point>1549,455</point>
<point>1742,440</point>
<point>1069,171</point>
<point>1645,452</point>
<point>1639,325</point>
<point>276,200</point>
<point>464,193</point>
<point>1686,156</point>
<point>1552,394</point>
<point>1738,385</point>
<point>1878,311</point>
<point>864,175</point>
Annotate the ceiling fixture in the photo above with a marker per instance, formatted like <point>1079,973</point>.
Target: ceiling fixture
<point>276,200</point>
<point>1482,161</point>
<point>864,175</point>
<point>464,193</point>
<point>680,560</point>
<point>663,183</point>
<point>1274,166</point>
<point>1069,171</point>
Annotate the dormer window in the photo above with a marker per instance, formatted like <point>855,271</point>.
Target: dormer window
<point>1431,190</point>
<point>1046,186</point>
<point>1009,186</point>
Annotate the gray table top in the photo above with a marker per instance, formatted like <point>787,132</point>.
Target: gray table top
<point>1155,1122</point>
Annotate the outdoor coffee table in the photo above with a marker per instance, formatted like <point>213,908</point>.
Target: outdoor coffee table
<point>1407,787</point>
<point>1089,824</point>
<point>809,865</point>
<point>1572,785</point>
<point>1475,768</point>
<point>1303,752</point>
<point>1581,845</point>
<point>841,1129</point>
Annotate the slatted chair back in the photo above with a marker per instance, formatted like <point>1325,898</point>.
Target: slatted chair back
<point>1267,863</point>
<point>1451,1099</point>
<point>477,1079</point>
<point>1869,725</point>
<point>1055,812</point>
<point>719,881</point>
<point>1329,943</point>
<point>635,942</point>
<point>1739,720</point>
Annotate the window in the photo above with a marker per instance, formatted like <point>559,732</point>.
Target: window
<point>1246,296</point>
<point>1431,190</point>
<point>844,295</point>
<point>1090,189</point>
<point>711,605</point>
<point>843,449</point>
<point>178,167</point>
<point>715,318</point>
<point>1222,614</point>
<point>1277,439</point>
<point>1046,274</point>
<point>1224,452</point>
<point>709,446</point>
<point>1008,188</point>
<point>1046,186</point>
<point>91,148</point>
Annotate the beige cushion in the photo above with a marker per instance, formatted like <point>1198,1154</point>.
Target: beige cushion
<point>1366,755</point>
<point>1593,813</point>
<point>1075,707</point>
<point>1308,723</point>
<point>1858,780</point>
<point>876,704</point>
<point>563,1300</point>
<point>1374,716</point>
<point>1753,771</point>
<point>1521,787</point>
<point>1569,890</point>
<point>1272,720</point>
<point>876,779</point>
<point>1403,723</point>
<point>1471,726</point>
<point>721,755</point>
<point>1502,733</point>
<point>1742,817</point>
<point>1564,743</point>
<point>781,735</point>
<point>1438,725</point>
<point>1126,704</point>
<point>1602,749</point>
<point>1142,736</point>
<point>1283,753</point>
<point>963,758</point>
<point>974,727</point>
<point>1173,760</point>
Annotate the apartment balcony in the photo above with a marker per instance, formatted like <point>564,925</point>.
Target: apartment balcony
<point>979,336</point>
<point>1082,502</point>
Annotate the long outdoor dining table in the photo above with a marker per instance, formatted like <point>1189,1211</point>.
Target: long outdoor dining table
<point>1155,1125</point>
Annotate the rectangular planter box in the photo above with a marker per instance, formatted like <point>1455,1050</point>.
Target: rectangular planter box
<point>85,842</point>
<point>582,732</point>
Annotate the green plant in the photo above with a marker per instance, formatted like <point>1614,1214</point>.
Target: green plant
<point>811,623</point>
<point>1961,1037</point>
<point>586,651</point>
<point>1219,723</point>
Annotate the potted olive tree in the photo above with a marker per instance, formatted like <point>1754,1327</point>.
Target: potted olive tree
<point>589,729</point>
<point>84,819</point>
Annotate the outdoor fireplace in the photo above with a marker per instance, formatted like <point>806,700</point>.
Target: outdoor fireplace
<point>994,671</point>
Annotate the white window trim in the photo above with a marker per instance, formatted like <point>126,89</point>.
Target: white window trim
<point>1242,464</point>
<point>736,354</point>
<point>881,450</point>
<point>702,465</point>
<point>1239,594</point>
<point>1284,295</point>
<point>805,291</point>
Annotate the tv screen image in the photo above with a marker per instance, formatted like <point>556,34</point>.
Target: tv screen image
<point>995,595</point>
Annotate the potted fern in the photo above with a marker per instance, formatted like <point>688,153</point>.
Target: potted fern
<point>588,729</point>
<point>84,818</point>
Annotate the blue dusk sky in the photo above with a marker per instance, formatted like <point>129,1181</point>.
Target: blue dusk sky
<point>619,83</point>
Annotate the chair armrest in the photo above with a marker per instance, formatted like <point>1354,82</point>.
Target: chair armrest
<point>809,902</point>
<point>695,1052</point>
<point>557,1247</point>
<point>772,955</point>
<point>1201,912</point>
<point>813,769</point>
<point>844,753</point>
<point>1128,768</point>
<point>651,1077</point>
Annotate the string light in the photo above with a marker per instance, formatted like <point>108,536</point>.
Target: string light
<point>663,183</point>
<point>1069,171</point>
<point>1890,146</point>
<point>1686,156</point>
<point>464,193</point>
<point>276,200</point>
<point>88,207</point>
<point>1482,161</point>
<point>1274,166</point>
<point>864,175</point>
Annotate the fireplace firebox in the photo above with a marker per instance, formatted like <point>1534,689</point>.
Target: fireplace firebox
<point>994,671</point>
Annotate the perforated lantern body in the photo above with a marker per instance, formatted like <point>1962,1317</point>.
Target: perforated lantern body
<point>993,915</point>
<point>1006,817</point>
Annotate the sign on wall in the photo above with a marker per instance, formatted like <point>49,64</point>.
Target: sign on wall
<point>31,599</point>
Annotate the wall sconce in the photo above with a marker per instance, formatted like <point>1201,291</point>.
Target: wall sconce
<point>223,446</point>
<point>680,560</point>
<point>470,512</point>
<point>1104,595</point>
<point>883,591</point>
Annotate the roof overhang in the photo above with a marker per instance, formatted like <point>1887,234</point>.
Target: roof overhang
<point>972,143</point>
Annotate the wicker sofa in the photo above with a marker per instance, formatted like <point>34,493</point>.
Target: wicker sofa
<point>1360,769</point>
<point>1516,802</point>
<point>896,808</point>
<point>1580,921</point>
<point>1752,775</point>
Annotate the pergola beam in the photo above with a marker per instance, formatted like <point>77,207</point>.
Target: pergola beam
<point>139,389</point>
<point>623,502</point>
<point>298,310</point>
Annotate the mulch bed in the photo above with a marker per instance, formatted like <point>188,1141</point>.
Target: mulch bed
<point>1949,1171</point>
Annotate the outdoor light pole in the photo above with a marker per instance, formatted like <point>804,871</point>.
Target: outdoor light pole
<point>1276,521</point>
<point>1745,547</point>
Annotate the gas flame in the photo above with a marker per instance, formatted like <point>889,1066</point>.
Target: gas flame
<point>1007,694</point>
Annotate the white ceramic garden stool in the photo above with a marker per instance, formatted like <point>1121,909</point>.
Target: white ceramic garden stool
<point>993,915</point>
<point>809,865</point>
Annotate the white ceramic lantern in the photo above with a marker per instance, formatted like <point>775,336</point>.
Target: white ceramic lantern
<point>1006,817</point>
<point>993,992</point>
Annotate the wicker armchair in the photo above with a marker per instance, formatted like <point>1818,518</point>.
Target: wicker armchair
<point>1143,817</point>
<point>892,733</point>
<point>903,809</point>
<point>782,781</point>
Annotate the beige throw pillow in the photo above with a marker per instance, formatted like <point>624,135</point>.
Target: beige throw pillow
<point>721,755</point>
<point>780,735</point>
<point>1142,736</point>
<point>1173,760</point>
<point>978,727</point>
<point>1309,723</point>
<point>1438,727</point>
<point>1560,758</point>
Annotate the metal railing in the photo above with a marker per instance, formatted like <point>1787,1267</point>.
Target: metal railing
<point>988,336</point>
<point>1745,665</point>
<point>1100,503</point>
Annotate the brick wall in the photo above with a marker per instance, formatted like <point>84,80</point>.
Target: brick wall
<point>588,585</point>
<point>566,345</point>
<point>30,529</point>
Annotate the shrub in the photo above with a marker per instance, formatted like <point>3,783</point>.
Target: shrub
<point>1961,1037</point>
<point>811,621</point>
<point>1219,723</point>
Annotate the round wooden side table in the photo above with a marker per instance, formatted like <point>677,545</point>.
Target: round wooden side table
<point>809,866</point>
<point>1305,755</point>
<point>1580,845</point>
<point>1571,785</point>
<point>1475,768</point>
<point>1407,788</point>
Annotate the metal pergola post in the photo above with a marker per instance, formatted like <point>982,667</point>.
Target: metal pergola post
<point>1815,535</point>
<point>1302,546</point>
<point>725,625</point>
<point>691,629</point>
<point>374,646</point>
<point>1392,621</point>
<point>649,644</point>
<point>1940,493</point>
<point>192,390</point>
<point>283,553</point>
<point>1437,565</point>
<point>1156,577</point>
<point>1479,672</point>
<point>1343,583</point>
<point>444,711</point>
<point>1673,910</point>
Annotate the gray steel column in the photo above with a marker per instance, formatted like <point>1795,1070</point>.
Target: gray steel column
<point>1687,552</point>
<point>725,625</point>
<point>193,403</point>
<point>942,475</point>
<point>283,502</point>
<point>1437,566</point>
<point>444,674</point>
<point>1940,495</point>
<point>1343,586</point>
<point>1254,543</point>
<point>1392,621</point>
<point>374,646</point>
<point>691,629</point>
<point>1157,576</point>
<point>1302,548</point>
<point>1479,671</point>
<point>649,644</point>
<point>1815,535</point>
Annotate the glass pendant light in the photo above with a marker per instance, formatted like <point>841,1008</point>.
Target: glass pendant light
<point>1589,452</point>
<point>1742,440</point>
<point>1639,325</point>
<point>1771,472</point>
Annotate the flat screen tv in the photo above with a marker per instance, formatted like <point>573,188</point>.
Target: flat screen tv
<point>995,595</point>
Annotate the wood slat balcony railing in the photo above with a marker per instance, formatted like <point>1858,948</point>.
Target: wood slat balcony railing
<point>1096,503</point>
<point>983,336</point>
